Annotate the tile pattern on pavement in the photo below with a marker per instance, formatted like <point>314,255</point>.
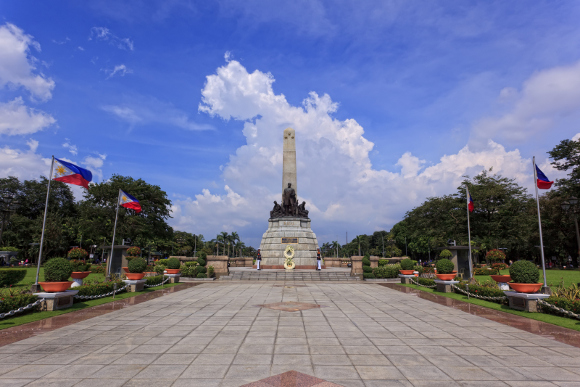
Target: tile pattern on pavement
<point>213,335</point>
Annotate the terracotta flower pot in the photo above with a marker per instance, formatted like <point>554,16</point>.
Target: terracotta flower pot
<point>135,276</point>
<point>501,278</point>
<point>172,271</point>
<point>446,277</point>
<point>80,274</point>
<point>407,272</point>
<point>53,287</point>
<point>126,269</point>
<point>525,288</point>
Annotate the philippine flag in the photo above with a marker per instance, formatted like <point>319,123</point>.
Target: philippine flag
<point>129,201</point>
<point>71,174</point>
<point>543,182</point>
<point>470,204</point>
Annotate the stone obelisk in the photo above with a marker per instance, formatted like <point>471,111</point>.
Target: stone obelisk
<point>289,228</point>
<point>289,160</point>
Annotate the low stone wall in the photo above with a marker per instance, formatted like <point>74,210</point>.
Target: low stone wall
<point>241,262</point>
<point>336,262</point>
<point>356,269</point>
<point>219,263</point>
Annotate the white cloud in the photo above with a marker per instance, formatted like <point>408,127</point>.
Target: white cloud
<point>17,66</point>
<point>120,70</point>
<point>95,165</point>
<point>147,111</point>
<point>104,34</point>
<point>71,148</point>
<point>18,119</point>
<point>25,165</point>
<point>335,174</point>
<point>547,98</point>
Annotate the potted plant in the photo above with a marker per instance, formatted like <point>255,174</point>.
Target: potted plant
<point>407,266</point>
<point>80,269</point>
<point>134,251</point>
<point>173,266</point>
<point>525,277</point>
<point>137,268</point>
<point>77,253</point>
<point>56,274</point>
<point>445,270</point>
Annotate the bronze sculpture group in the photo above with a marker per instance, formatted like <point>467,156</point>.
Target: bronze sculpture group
<point>290,206</point>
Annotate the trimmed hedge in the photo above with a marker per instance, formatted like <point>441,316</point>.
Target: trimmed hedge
<point>57,270</point>
<point>11,276</point>
<point>425,281</point>
<point>368,275</point>
<point>201,261</point>
<point>201,275</point>
<point>383,262</point>
<point>80,265</point>
<point>485,271</point>
<point>367,269</point>
<point>524,272</point>
<point>201,270</point>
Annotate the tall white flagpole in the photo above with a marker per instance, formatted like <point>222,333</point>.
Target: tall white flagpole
<point>44,224</point>
<point>469,233</point>
<point>540,223</point>
<point>114,231</point>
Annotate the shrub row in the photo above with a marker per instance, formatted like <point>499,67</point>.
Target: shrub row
<point>485,271</point>
<point>387,271</point>
<point>14,302</point>
<point>98,268</point>
<point>570,305</point>
<point>154,280</point>
<point>425,281</point>
<point>482,291</point>
<point>98,288</point>
<point>11,276</point>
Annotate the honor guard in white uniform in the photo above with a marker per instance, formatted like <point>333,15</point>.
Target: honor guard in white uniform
<point>318,260</point>
<point>258,260</point>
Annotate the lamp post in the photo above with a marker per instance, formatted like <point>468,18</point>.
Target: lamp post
<point>8,205</point>
<point>571,203</point>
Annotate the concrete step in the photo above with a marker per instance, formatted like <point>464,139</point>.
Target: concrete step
<point>287,276</point>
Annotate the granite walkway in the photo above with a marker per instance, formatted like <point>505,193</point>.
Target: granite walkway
<point>215,334</point>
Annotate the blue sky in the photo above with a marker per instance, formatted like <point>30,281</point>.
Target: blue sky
<point>193,96</point>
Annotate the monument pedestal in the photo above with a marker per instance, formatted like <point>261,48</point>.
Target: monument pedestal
<point>135,285</point>
<point>527,302</point>
<point>288,231</point>
<point>57,300</point>
<point>445,286</point>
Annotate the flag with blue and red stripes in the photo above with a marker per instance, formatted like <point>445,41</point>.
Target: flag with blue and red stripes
<point>542,181</point>
<point>470,205</point>
<point>128,201</point>
<point>71,174</point>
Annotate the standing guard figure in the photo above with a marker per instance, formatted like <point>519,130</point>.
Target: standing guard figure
<point>258,260</point>
<point>318,260</point>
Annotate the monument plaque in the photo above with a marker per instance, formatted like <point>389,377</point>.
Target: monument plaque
<point>289,222</point>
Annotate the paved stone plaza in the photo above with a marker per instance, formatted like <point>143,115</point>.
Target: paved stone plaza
<point>227,334</point>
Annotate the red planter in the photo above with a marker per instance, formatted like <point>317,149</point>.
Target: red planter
<point>407,272</point>
<point>126,269</point>
<point>135,276</point>
<point>80,274</point>
<point>54,287</point>
<point>501,278</point>
<point>173,271</point>
<point>446,277</point>
<point>525,288</point>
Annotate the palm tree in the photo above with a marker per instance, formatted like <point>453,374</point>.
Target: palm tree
<point>224,237</point>
<point>234,239</point>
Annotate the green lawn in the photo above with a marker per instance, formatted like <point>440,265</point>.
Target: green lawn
<point>555,277</point>
<point>35,316</point>
<point>548,318</point>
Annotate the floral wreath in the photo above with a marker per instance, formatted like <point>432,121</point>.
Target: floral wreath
<point>289,252</point>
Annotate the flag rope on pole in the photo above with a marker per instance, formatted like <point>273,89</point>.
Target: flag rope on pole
<point>539,221</point>
<point>114,232</point>
<point>469,232</point>
<point>44,221</point>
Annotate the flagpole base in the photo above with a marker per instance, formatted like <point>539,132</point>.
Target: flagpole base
<point>546,290</point>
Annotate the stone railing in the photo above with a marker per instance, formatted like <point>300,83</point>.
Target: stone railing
<point>219,263</point>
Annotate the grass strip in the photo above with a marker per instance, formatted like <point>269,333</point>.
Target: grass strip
<point>564,322</point>
<point>35,316</point>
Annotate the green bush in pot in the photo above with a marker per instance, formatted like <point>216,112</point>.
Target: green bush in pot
<point>173,263</point>
<point>408,264</point>
<point>137,265</point>
<point>524,272</point>
<point>444,266</point>
<point>57,270</point>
